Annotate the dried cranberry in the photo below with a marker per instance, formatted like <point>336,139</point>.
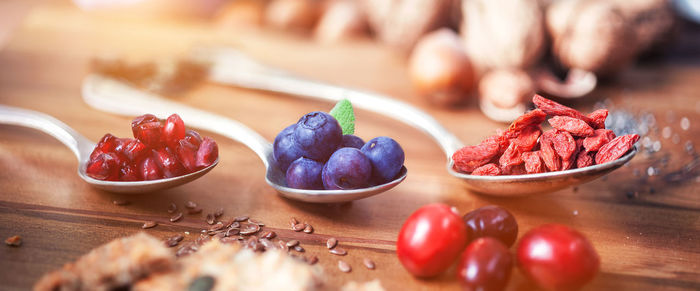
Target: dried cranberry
<point>174,130</point>
<point>207,153</point>
<point>104,166</point>
<point>492,221</point>
<point>149,169</point>
<point>167,162</point>
<point>533,162</point>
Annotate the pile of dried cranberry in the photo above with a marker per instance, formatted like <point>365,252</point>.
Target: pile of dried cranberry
<point>159,150</point>
<point>576,141</point>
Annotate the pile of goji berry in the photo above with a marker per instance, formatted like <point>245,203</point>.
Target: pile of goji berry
<point>576,141</point>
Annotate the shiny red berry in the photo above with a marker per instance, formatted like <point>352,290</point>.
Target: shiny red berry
<point>207,153</point>
<point>173,130</point>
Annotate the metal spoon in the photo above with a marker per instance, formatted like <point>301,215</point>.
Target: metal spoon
<point>113,96</point>
<point>82,147</point>
<point>228,66</point>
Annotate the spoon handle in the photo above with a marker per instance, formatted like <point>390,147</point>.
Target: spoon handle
<point>116,97</point>
<point>231,67</point>
<point>78,144</point>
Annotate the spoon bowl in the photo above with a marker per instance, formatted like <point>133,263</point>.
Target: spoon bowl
<point>82,147</point>
<point>113,96</point>
<point>231,67</point>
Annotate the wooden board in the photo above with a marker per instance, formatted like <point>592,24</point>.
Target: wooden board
<point>646,239</point>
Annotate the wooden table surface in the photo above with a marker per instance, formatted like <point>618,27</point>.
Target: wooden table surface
<point>645,228</point>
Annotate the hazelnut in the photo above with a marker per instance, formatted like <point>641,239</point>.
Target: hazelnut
<point>503,33</point>
<point>293,15</point>
<point>440,69</point>
<point>506,88</point>
<point>342,19</point>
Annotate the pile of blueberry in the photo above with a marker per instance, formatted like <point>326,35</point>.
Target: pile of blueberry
<point>315,154</point>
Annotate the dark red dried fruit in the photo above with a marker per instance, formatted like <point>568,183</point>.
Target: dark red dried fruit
<point>510,158</point>
<point>526,139</point>
<point>533,162</point>
<point>549,156</point>
<point>598,139</point>
<point>207,153</point>
<point>487,170</point>
<point>572,125</point>
<point>555,109</point>
<point>564,144</point>
<point>468,158</point>
<point>597,118</point>
<point>534,117</point>
<point>173,130</point>
<point>616,148</point>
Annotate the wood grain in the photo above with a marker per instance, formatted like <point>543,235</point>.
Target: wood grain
<point>646,240</point>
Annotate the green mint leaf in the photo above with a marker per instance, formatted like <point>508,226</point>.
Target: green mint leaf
<point>345,116</point>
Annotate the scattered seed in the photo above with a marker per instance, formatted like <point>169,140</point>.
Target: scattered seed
<point>298,248</point>
<point>255,222</point>
<point>267,243</point>
<point>190,205</point>
<point>283,245</point>
<point>299,227</point>
<point>172,207</point>
<point>338,251</point>
<point>120,202</point>
<point>210,219</point>
<point>227,240</point>
<point>186,249</point>
<point>219,213</point>
<point>230,222</point>
<point>216,227</point>
<point>331,243</point>
<point>241,218</point>
<point>202,239</point>
<point>313,260</point>
<point>176,217</point>
<point>344,267</point>
<point>292,243</point>
<point>368,263</point>
<point>149,224</point>
<point>269,235</point>
<point>293,221</point>
<point>250,229</point>
<point>14,241</point>
<point>178,237</point>
<point>308,229</point>
<point>232,231</point>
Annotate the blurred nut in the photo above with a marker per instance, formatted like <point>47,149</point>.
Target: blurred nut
<point>503,33</point>
<point>651,20</point>
<point>440,69</point>
<point>293,15</point>
<point>242,13</point>
<point>591,35</point>
<point>506,88</point>
<point>342,19</point>
<point>401,23</point>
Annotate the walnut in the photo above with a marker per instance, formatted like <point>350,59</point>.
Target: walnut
<point>341,19</point>
<point>401,23</point>
<point>503,93</point>
<point>591,35</point>
<point>293,15</point>
<point>503,33</point>
<point>440,69</point>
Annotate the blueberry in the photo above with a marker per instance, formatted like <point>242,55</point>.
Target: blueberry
<point>347,168</point>
<point>318,135</point>
<point>386,156</point>
<point>305,173</point>
<point>352,141</point>
<point>285,149</point>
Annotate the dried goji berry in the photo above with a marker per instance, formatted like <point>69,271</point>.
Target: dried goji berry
<point>515,170</point>
<point>501,140</point>
<point>468,158</point>
<point>598,139</point>
<point>487,170</point>
<point>555,109</point>
<point>597,118</point>
<point>526,139</point>
<point>564,144</point>
<point>533,162</point>
<point>584,159</point>
<point>534,117</point>
<point>510,158</point>
<point>574,126</point>
<point>615,148</point>
<point>549,155</point>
